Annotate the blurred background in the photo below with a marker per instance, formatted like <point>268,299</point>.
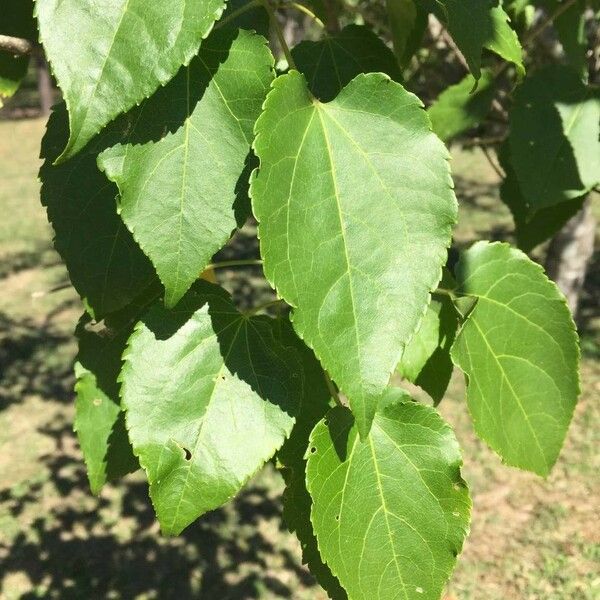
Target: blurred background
<point>531,539</point>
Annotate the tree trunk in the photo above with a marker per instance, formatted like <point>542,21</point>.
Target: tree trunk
<point>44,84</point>
<point>570,252</point>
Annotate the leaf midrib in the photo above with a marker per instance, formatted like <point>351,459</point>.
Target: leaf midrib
<point>205,417</point>
<point>345,244</point>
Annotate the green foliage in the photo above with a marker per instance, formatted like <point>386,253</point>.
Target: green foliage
<point>353,51</point>
<point>17,21</point>
<point>99,420</point>
<point>106,266</point>
<point>107,57</point>
<point>570,28</point>
<point>314,405</point>
<point>390,512</point>
<point>532,230</point>
<point>168,188</point>
<point>146,175</point>
<point>210,396</point>
<point>356,173</point>
<point>479,24</point>
<point>555,137</point>
<point>426,358</point>
<point>519,351</point>
<point>12,71</point>
<point>462,106</point>
<point>408,21</point>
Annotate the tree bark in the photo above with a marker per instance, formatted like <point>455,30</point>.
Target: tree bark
<point>570,252</point>
<point>15,46</point>
<point>44,84</point>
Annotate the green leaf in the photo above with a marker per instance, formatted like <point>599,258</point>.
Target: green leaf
<point>408,21</point>
<point>532,230</point>
<point>555,137</point>
<point>17,21</point>
<point>332,62</point>
<point>478,24</point>
<point>521,12</point>
<point>390,512</point>
<point>314,404</point>
<point>178,194</point>
<point>105,264</point>
<point>12,71</point>
<point>426,358</point>
<point>462,106</point>
<point>355,206</point>
<point>504,40</point>
<point>108,56</point>
<point>519,351</point>
<point>99,420</point>
<point>210,396</point>
<point>570,27</point>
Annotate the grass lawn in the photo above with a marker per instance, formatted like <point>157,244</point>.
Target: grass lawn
<point>531,539</point>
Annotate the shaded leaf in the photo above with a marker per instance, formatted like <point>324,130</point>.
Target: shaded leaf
<point>355,207</point>
<point>178,194</point>
<point>462,106</point>
<point>105,264</point>
<point>12,71</point>
<point>109,55</point>
<point>408,22</point>
<point>570,27</point>
<point>210,396</point>
<point>519,351</point>
<point>315,402</point>
<point>99,420</point>
<point>332,62</point>
<point>390,512</point>
<point>532,230</point>
<point>555,137</point>
<point>17,21</point>
<point>426,358</point>
<point>256,18</point>
<point>478,24</point>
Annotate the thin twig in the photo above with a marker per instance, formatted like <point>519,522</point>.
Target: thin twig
<point>58,288</point>
<point>450,43</point>
<point>489,141</point>
<point>260,307</point>
<point>305,10</point>
<point>16,46</point>
<point>536,32</point>
<point>499,171</point>
<point>333,23</point>
<point>444,292</point>
<point>244,262</point>
<point>277,27</point>
<point>499,109</point>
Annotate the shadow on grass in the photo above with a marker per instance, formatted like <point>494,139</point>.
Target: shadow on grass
<point>70,551</point>
<point>33,360</point>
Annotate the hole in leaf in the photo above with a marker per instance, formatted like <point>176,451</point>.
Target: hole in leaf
<point>313,450</point>
<point>188,454</point>
<point>337,517</point>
